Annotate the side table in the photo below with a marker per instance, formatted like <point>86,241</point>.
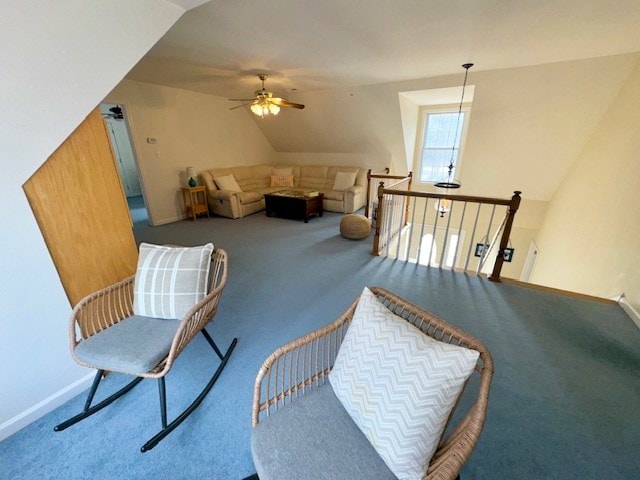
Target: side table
<point>195,201</point>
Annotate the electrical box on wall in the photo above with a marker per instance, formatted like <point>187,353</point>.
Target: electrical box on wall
<point>508,254</point>
<point>481,248</point>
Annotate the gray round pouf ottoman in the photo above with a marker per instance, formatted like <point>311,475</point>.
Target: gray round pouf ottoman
<point>354,226</point>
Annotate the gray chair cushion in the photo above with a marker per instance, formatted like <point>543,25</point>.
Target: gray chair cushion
<point>135,345</point>
<point>314,438</point>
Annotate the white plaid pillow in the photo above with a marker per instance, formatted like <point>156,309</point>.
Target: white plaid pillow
<point>170,280</point>
<point>398,385</point>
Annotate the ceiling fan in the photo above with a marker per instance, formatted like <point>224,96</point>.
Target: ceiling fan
<point>265,103</point>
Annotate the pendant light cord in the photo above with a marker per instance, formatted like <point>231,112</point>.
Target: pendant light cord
<point>466,66</point>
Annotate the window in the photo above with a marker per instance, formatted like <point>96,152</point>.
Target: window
<point>440,129</point>
<point>430,252</point>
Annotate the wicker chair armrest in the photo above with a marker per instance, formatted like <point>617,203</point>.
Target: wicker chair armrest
<point>198,316</point>
<point>100,310</point>
<point>299,365</point>
<point>455,449</point>
<point>190,325</point>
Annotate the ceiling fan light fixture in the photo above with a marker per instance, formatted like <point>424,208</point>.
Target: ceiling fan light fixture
<point>264,102</point>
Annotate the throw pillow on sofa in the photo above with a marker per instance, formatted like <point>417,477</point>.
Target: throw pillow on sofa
<point>281,181</point>
<point>227,182</point>
<point>344,180</point>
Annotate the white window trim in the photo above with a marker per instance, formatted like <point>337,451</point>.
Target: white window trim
<point>425,110</point>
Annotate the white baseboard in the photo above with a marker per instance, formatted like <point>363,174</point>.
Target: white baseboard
<point>629,310</point>
<point>50,403</point>
<point>164,221</point>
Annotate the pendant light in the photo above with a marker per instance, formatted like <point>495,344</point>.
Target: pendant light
<point>449,181</point>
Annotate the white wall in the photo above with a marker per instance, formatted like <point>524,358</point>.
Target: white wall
<point>190,129</point>
<point>58,61</point>
<point>590,239</point>
<point>376,162</point>
<point>527,124</point>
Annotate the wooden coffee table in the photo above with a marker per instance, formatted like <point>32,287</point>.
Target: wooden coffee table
<point>293,204</point>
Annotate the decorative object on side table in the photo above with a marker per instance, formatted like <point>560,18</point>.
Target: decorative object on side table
<point>192,182</point>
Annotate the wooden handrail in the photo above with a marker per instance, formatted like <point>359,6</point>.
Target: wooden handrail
<point>393,177</point>
<point>464,198</point>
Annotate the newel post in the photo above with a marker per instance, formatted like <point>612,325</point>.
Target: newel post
<point>366,206</point>
<point>506,233</point>
<point>376,238</point>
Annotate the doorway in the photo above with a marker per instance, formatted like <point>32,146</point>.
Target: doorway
<point>118,130</point>
<point>530,262</point>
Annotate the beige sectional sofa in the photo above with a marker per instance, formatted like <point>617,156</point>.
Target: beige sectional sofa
<point>254,181</point>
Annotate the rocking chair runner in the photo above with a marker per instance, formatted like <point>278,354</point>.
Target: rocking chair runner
<point>105,334</point>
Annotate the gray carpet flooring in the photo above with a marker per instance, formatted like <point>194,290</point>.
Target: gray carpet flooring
<point>565,397</point>
<point>138,210</point>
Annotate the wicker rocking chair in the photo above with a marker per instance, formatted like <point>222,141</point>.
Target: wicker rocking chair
<point>144,347</point>
<point>295,373</point>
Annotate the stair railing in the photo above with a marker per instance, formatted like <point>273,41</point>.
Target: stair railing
<point>399,234</point>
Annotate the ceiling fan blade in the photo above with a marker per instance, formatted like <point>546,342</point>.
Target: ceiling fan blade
<point>241,105</point>
<point>281,102</point>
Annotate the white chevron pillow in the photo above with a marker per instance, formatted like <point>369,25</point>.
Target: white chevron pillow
<point>398,385</point>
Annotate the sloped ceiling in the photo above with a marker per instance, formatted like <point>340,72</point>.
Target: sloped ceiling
<point>218,48</point>
<point>545,73</point>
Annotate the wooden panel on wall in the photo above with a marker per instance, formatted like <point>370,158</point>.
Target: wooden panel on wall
<point>78,201</point>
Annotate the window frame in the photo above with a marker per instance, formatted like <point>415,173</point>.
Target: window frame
<point>425,111</point>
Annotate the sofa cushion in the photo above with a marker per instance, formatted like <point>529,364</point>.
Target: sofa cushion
<point>282,171</point>
<point>170,280</point>
<point>313,177</point>
<point>253,177</point>
<point>249,197</point>
<point>398,385</point>
<point>227,182</point>
<point>314,437</point>
<point>333,195</point>
<point>344,180</point>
